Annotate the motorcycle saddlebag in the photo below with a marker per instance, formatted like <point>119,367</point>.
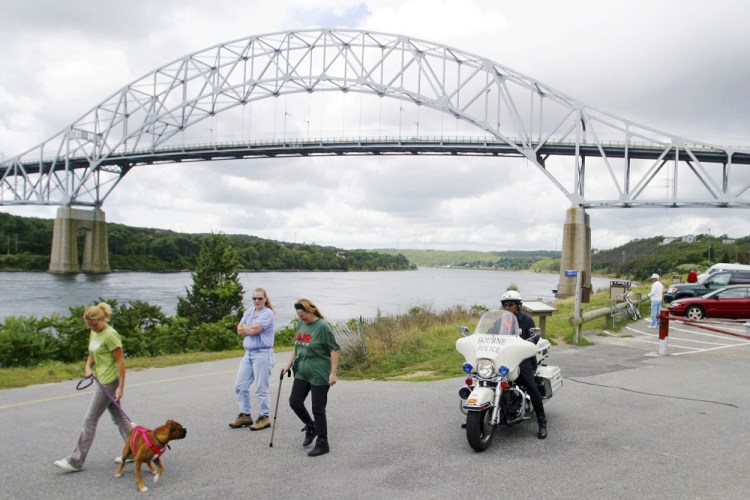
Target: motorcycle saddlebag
<point>551,379</point>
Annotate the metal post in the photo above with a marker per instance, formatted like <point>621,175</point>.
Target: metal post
<point>663,331</point>
<point>577,310</point>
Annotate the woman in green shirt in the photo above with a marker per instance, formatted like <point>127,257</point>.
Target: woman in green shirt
<point>107,363</point>
<point>314,361</point>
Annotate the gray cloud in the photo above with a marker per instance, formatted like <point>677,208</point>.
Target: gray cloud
<point>674,66</point>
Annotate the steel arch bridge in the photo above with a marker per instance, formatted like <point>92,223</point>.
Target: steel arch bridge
<point>514,115</point>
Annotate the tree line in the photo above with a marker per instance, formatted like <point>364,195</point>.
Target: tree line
<point>637,259</point>
<point>27,242</point>
<point>640,258</point>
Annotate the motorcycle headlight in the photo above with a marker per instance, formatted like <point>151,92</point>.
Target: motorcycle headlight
<point>485,368</point>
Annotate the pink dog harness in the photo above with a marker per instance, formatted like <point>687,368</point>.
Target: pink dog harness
<point>144,433</point>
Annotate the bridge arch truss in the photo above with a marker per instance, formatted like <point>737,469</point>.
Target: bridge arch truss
<point>514,115</point>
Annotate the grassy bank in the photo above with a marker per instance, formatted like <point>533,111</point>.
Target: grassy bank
<point>46,373</point>
<point>419,345</point>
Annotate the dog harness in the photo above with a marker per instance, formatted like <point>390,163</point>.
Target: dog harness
<point>144,434</point>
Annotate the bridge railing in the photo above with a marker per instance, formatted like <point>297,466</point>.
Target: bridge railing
<point>297,142</point>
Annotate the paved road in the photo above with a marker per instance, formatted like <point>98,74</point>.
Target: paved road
<point>726,338</point>
<point>626,424</point>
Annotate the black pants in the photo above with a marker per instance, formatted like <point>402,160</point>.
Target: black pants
<point>526,380</point>
<point>300,390</point>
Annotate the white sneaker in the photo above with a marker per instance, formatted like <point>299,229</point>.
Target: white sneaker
<point>118,459</point>
<point>66,466</point>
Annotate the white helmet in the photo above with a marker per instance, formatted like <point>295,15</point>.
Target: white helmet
<point>511,295</point>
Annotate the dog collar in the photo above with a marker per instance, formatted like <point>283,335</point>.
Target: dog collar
<point>144,434</point>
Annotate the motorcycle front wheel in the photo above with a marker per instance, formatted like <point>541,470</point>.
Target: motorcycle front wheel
<point>479,429</point>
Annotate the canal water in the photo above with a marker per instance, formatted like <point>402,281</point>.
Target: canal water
<point>340,296</point>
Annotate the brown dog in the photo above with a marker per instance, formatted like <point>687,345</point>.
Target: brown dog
<point>145,444</point>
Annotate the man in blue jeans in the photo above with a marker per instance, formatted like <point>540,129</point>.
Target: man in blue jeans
<point>656,295</point>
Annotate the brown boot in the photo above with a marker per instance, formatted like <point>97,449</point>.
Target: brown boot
<point>261,423</point>
<point>243,420</point>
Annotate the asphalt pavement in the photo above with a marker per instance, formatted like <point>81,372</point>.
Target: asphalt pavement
<point>627,423</point>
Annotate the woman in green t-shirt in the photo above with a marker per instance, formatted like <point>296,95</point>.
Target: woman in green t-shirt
<point>314,361</point>
<point>107,363</point>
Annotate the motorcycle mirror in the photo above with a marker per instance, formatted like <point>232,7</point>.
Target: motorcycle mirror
<point>536,333</point>
<point>464,330</point>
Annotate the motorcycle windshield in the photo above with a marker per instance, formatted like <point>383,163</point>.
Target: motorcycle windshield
<point>498,322</point>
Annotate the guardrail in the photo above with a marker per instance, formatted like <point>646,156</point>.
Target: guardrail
<point>601,312</point>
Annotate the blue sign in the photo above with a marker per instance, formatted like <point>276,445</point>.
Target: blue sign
<point>571,273</point>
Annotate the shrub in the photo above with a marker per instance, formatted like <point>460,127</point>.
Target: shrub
<point>285,336</point>
<point>170,337</point>
<point>24,342</point>
<point>136,322</point>
<point>219,336</point>
<point>72,335</point>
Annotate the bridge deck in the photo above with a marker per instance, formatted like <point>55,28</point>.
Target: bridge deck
<point>387,146</point>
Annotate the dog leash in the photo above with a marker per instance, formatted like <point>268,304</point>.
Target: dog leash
<point>93,379</point>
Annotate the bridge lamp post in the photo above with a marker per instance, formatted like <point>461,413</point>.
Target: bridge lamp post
<point>211,131</point>
<point>400,112</point>
<point>285,115</point>
<point>417,124</point>
<point>308,128</point>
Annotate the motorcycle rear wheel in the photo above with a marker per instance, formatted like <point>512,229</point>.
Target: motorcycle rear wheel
<point>479,429</point>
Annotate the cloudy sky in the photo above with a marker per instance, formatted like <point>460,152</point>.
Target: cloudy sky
<point>676,66</point>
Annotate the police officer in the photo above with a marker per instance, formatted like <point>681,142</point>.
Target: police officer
<point>511,301</point>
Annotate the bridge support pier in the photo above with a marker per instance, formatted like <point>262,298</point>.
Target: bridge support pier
<point>576,252</point>
<point>64,257</point>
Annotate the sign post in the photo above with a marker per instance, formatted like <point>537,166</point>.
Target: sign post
<point>570,273</point>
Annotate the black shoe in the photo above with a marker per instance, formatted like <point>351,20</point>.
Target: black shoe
<point>321,448</point>
<point>309,434</point>
<point>542,429</point>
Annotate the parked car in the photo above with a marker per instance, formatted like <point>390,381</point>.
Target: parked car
<point>713,282</point>
<point>728,302</point>
<point>723,266</point>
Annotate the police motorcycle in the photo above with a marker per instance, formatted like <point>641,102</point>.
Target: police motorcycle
<point>493,353</point>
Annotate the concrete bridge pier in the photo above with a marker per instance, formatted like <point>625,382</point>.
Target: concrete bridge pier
<point>64,257</point>
<point>576,252</point>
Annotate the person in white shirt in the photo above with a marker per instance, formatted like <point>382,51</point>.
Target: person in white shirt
<point>656,295</point>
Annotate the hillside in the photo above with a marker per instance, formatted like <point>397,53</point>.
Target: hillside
<point>510,259</point>
<point>25,244</point>
<point>640,258</point>
<point>637,259</point>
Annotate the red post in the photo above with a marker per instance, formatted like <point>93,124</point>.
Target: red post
<point>663,331</point>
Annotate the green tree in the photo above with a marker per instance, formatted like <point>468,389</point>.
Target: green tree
<point>217,291</point>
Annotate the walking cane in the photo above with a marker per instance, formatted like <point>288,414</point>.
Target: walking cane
<point>276,409</point>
